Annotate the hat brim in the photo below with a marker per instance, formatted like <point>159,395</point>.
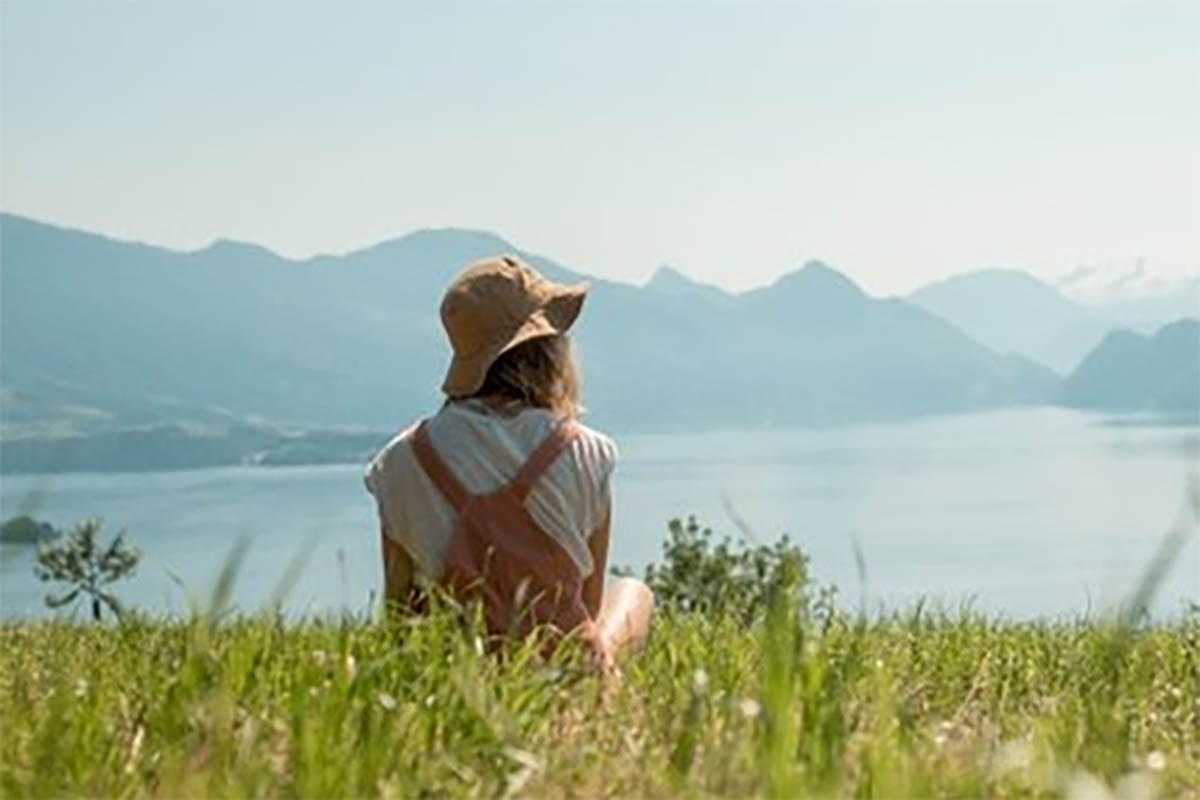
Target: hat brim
<point>465,376</point>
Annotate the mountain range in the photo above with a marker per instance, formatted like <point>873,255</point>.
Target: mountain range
<point>99,335</point>
<point>1012,311</point>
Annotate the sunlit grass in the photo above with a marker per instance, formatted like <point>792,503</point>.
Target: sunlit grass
<point>908,705</point>
<point>753,683</point>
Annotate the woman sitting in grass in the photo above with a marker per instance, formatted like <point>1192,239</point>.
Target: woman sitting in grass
<point>502,496</point>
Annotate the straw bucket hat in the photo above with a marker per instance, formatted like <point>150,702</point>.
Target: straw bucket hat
<point>494,305</point>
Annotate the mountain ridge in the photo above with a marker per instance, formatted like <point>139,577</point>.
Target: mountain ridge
<point>137,333</point>
<point>1133,372</point>
<point>1012,311</point>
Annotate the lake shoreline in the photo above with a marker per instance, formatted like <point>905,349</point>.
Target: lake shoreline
<point>180,448</point>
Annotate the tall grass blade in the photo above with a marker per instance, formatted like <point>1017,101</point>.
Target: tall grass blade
<point>1186,524</point>
<point>222,594</point>
<point>291,574</point>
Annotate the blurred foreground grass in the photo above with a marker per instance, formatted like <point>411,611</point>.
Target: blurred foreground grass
<point>788,704</point>
<point>753,682</point>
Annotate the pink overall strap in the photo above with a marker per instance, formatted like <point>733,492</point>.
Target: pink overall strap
<point>436,469</point>
<point>541,458</point>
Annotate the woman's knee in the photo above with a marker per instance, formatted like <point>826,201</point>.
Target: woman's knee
<point>630,591</point>
<point>631,584</point>
<point>626,612</point>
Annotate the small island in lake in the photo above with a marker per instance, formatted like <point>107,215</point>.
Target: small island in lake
<point>24,529</point>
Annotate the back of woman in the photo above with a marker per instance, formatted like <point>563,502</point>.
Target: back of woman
<point>503,495</point>
<point>484,450</point>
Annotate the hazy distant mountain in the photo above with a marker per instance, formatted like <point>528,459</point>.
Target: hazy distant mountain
<point>146,333</point>
<point>97,334</point>
<point>1011,311</point>
<point>811,349</point>
<point>668,280</point>
<point>1129,371</point>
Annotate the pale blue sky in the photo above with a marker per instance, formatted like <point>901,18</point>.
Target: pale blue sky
<point>900,142</point>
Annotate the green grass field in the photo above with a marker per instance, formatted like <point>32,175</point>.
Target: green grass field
<point>821,706</point>
<point>753,682</point>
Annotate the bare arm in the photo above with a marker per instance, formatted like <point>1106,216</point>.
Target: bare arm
<point>621,611</point>
<point>397,571</point>
<point>593,585</point>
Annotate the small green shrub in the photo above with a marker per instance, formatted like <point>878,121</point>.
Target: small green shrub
<point>698,575</point>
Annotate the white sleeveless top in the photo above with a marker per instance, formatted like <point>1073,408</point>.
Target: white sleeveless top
<point>485,450</point>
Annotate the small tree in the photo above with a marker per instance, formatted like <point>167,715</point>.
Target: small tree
<point>88,565</point>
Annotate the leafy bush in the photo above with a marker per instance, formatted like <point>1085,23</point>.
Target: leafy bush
<point>698,576</point>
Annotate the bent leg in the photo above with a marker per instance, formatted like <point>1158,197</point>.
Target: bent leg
<point>624,618</point>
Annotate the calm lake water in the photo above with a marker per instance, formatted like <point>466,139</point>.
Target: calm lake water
<point>1025,513</point>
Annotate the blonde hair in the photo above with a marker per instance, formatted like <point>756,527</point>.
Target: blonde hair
<point>541,372</point>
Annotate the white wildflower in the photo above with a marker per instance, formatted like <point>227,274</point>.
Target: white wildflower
<point>319,657</point>
<point>387,701</point>
<point>351,666</point>
<point>478,646</point>
<point>1156,761</point>
<point>81,687</point>
<point>750,708</point>
<point>700,680</point>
